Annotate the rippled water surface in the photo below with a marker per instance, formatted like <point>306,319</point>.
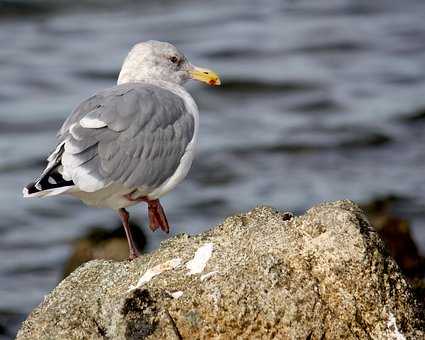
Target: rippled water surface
<point>321,100</point>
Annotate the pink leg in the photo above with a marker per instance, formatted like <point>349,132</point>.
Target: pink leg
<point>132,247</point>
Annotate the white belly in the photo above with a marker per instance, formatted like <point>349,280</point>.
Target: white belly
<point>112,196</point>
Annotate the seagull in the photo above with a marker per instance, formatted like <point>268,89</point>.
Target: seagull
<point>130,143</point>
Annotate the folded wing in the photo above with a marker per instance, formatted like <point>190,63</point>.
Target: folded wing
<point>133,134</point>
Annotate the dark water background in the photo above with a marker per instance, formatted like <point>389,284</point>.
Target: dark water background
<point>321,100</point>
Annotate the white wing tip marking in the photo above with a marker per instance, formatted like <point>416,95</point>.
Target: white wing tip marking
<point>25,193</point>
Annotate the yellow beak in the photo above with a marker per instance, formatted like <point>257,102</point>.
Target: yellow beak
<point>205,75</point>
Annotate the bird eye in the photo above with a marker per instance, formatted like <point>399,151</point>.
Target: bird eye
<point>174,59</point>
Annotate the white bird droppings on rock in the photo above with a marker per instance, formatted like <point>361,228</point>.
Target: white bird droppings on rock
<point>208,275</point>
<point>176,295</point>
<point>158,269</point>
<point>199,261</point>
<point>392,326</point>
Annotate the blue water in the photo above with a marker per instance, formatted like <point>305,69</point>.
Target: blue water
<point>321,100</point>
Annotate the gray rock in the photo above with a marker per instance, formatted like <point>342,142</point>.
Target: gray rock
<point>323,275</point>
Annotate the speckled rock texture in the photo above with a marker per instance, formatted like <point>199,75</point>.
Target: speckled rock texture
<point>322,275</point>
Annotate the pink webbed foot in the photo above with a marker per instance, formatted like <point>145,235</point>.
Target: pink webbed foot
<point>156,213</point>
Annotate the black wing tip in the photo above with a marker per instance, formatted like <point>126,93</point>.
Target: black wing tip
<point>44,185</point>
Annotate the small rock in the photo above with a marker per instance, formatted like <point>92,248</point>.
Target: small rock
<point>396,233</point>
<point>9,323</point>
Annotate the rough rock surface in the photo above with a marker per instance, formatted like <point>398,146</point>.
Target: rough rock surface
<point>323,275</point>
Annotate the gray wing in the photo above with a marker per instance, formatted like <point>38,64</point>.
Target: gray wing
<point>133,134</point>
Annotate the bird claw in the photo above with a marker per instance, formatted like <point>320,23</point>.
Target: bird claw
<point>134,254</point>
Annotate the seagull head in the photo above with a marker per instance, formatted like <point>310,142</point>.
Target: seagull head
<point>156,60</point>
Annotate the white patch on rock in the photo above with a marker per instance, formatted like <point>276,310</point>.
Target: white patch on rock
<point>199,261</point>
<point>208,275</point>
<point>392,326</point>
<point>176,295</point>
<point>158,269</point>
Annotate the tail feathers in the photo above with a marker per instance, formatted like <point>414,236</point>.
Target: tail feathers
<point>51,181</point>
<point>31,191</point>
